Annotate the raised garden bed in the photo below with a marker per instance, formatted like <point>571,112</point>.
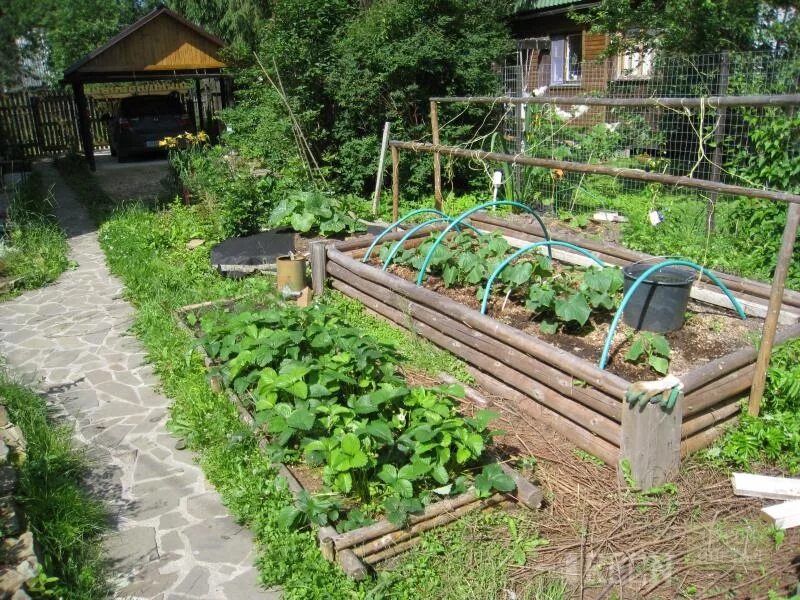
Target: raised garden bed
<point>363,546</point>
<point>557,386</point>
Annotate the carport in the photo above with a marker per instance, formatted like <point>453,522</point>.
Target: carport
<point>162,45</point>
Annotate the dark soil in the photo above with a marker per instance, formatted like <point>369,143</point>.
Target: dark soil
<point>709,332</point>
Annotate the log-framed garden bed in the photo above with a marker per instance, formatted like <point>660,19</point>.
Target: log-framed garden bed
<point>359,550</point>
<point>570,394</point>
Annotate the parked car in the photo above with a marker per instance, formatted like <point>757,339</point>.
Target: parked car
<point>139,122</point>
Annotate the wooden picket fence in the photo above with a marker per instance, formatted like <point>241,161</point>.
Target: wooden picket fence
<point>44,122</point>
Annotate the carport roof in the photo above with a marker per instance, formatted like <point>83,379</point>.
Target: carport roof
<point>160,45</point>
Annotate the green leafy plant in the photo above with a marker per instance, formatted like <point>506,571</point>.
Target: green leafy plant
<point>309,509</point>
<point>650,346</point>
<point>330,394</point>
<point>307,211</point>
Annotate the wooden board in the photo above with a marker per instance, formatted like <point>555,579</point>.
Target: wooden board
<point>764,486</point>
<point>784,516</point>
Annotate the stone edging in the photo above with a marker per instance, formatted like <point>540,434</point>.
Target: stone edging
<point>18,562</point>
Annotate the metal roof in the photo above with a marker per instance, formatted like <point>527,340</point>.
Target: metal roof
<point>521,6</point>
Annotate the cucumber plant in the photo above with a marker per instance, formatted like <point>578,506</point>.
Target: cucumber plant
<point>652,348</point>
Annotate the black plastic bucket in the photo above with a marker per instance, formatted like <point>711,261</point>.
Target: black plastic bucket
<point>659,303</point>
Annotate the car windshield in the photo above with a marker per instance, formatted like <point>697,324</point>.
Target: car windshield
<point>148,106</point>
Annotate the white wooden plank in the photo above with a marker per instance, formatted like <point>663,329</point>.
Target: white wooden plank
<point>785,515</point>
<point>764,486</point>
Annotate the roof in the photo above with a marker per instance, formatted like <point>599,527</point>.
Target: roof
<point>162,43</point>
<point>524,6</point>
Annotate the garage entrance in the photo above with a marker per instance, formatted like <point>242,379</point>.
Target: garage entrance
<point>161,46</point>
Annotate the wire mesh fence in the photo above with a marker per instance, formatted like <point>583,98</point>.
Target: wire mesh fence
<point>702,142</point>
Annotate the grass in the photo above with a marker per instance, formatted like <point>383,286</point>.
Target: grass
<point>146,249</point>
<point>36,250</point>
<point>66,522</point>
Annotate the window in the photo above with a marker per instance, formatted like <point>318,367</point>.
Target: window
<point>635,64</point>
<point>566,52</point>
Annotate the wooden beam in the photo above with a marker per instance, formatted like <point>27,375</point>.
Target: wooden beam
<point>765,486</point>
<point>395,183</point>
<point>577,167</point>
<point>775,300</point>
<point>319,258</point>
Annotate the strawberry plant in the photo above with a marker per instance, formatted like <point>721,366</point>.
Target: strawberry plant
<point>330,395</point>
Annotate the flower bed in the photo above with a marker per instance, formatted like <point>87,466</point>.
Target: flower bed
<point>332,402</point>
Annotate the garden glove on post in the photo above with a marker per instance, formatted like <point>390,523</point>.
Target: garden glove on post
<point>663,391</point>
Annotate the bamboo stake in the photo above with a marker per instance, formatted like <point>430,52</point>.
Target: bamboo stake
<point>379,179</point>
<point>437,159</point>
<point>775,300</point>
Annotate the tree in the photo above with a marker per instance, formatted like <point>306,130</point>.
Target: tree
<point>694,26</point>
<point>237,22</point>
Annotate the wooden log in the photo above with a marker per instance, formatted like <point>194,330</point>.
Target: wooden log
<point>620,255</point>
<point>717,415</point>
<point>546,378</point>
<point>764,486</point>
<point>773,312</point>
<point>731,385</point>
<point>651,439</point>
<point>597,169</point>
<point>383,527</point>
<point>319,256</point>
<point>352,565</point>
<point>362,242</point>
<point>581,437</point>
<point>576,367</point>
<point>392,551</point>
<point>603,426</point>
<point>706,437</point>
<point>527,494</point>
<point>734,361</point>
<point>325,537</point>
<point>470,393</point>
<point>401,535</point>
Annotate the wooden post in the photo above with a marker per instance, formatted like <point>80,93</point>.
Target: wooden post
<point>198,92</point>
<point>651,443</point>
<point>395,183</point>
<point>774,309</point>
<point>83,124</point>
<point>379,179</point>
<point>319,259</point>
<point>437,159</point>
<point>719,140</point>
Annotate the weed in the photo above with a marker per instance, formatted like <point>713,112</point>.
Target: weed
<point>36,247</point>
<point>66,522</point>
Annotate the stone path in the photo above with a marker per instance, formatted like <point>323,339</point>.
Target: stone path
<point>173,537</point>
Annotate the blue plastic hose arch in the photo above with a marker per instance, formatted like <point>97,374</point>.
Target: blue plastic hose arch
<point>643,277</point>
<point>523,250</point>
<point>405,217</point>
<point>396,248</point>
<point>467,213</point>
